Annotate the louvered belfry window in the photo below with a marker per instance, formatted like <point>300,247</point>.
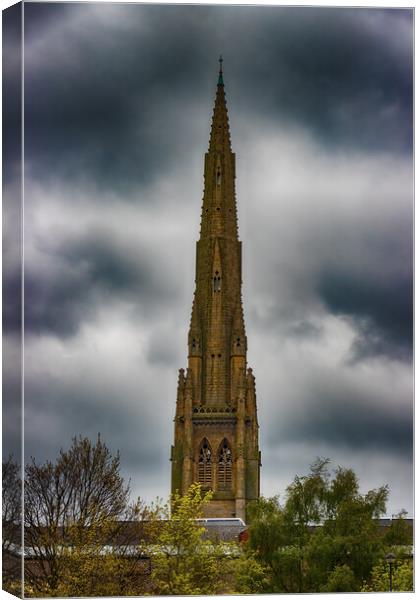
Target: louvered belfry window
<point>224,477</point>
<point>217,282</point>
<point>204,464</point>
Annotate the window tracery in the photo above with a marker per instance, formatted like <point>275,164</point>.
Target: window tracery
<point>204,464</point>
<point>224,471</point>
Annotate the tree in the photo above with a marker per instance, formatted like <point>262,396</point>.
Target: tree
<point>397,540</point>
<point>402,577</point>
<point>183,561</point>
<point>302,555</point>
<point>75,509</point>
<point>399,533</point>
<point>350,535</point>
<point>250,576</point>
<point>305,505</point>
<point>11,524</point>
<point>341,579</point>
<point>84,539</point>
<point>270,540</point>
<point>11,500</point>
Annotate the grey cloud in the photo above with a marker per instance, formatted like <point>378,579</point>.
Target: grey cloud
<point>139,446</point>
<point>88,273</point>
<point>376,296</point>
<point>305,329</point>
<point>331,70</point>
<point>372,468</point>
<point>96,385</point>
<point>341,257</point>
<point>378,304</point>
<point>381,310</point>
<point>334,67</point>
<point>12,303</point>
<point>12,257</point>
<point>163,349</point>
<point>108,110</point>
<point>12,395</point>
<point>12,93</point>
<point>346,419</point>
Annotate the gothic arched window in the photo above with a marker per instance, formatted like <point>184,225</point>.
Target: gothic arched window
<point>218,176</point>
<point>204,464</point>
<point>224,466</point>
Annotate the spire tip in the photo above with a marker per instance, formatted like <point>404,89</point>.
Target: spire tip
<point>220,82</point>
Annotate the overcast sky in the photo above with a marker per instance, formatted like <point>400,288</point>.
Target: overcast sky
<point>117,113</point>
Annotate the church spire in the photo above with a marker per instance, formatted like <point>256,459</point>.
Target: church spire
<point>217,306</point>
<point>216,427</point>
<point>218,216</point>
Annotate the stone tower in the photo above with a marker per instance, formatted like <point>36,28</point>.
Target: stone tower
<point>216,427</point>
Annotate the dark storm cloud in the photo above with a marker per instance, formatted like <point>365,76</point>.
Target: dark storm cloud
<point>102,121</point>
<point>12,256</point>
<point>338,72</point>
<point>381,309</point>
<point>344,418</point>
<point>12,92</point>
<point>88,274</point>
<point>11,232</point>
<point>140,445</point>
<point>368,288</point>
<point>370,281</point>
<point>12,304</point>
<point>332,236</point>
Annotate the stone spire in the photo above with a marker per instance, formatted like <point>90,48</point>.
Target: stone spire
<point>219,215</point>
<point>217,403</point>
<point>217,301</point>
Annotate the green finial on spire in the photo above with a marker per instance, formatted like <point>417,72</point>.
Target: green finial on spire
<point>220,82</point>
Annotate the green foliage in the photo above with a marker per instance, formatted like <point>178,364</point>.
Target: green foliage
<point>184,563</point>
<point>399,533</point>
<point>324,537</point>
<point>267,527</point>
<point>402,577</point>
<point>302,556</point>
<point>306,496</point>
<point>341,579</point>
<point>250,576</point>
